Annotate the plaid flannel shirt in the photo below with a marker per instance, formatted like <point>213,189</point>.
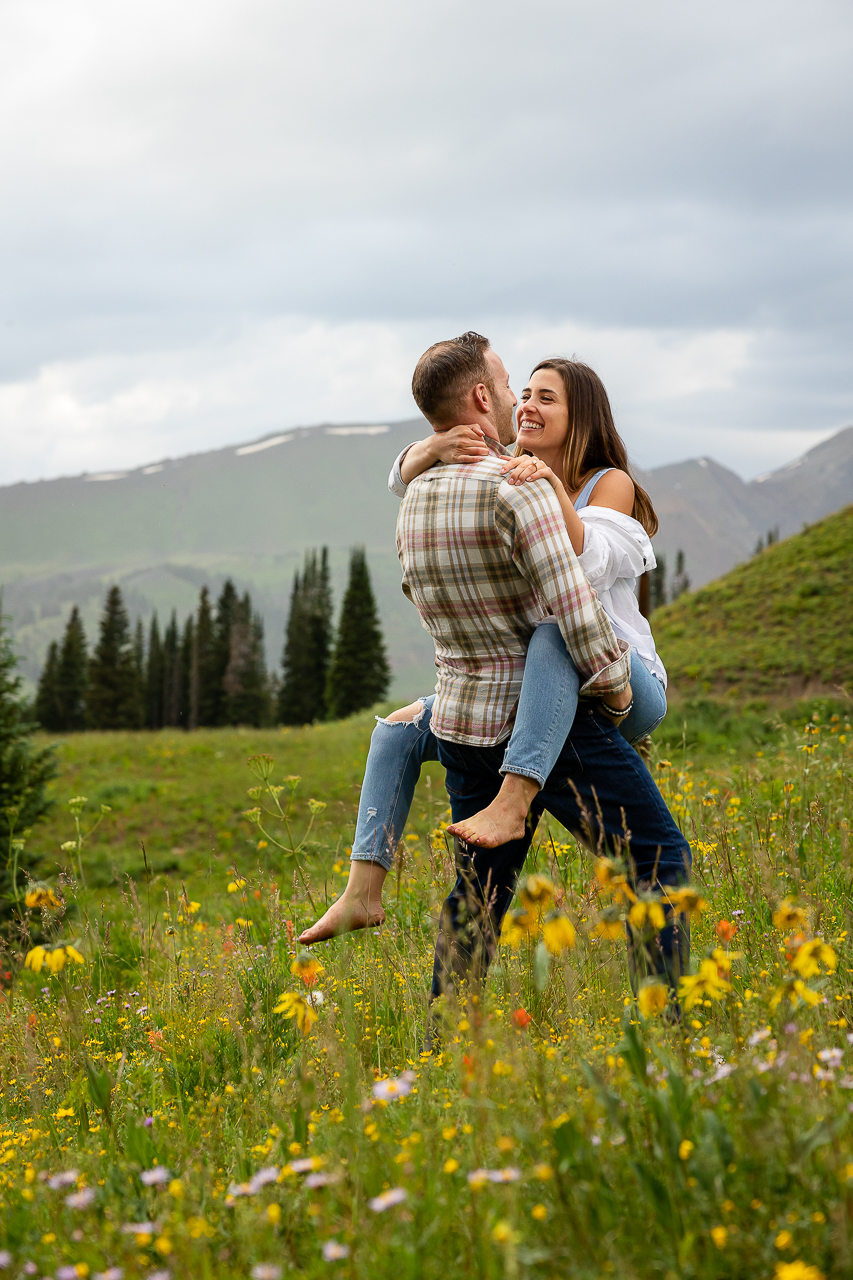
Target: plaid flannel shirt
<point>483,562</point>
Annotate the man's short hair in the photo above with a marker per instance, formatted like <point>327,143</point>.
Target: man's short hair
<point>447,372</point>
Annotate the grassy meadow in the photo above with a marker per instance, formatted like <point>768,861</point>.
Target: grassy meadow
<point>184,1091</point>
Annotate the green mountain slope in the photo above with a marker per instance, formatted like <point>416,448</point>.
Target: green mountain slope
<point>779,624</point>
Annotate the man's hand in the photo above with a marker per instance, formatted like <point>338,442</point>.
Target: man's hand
<point>616,702</point>
<point>462,444</point>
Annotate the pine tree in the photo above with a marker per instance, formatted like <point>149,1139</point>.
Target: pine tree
<point>245,678</point>
<point>221,652</point>
<point>24,771</point>
<point>73,674</point>
<point>115,696</point>
<point>359,674</point>
<point>154,677</point>
<point>204,667</point>
<point>171,672</point>
<point>48,708</point>
<point>187,652</point>
<point>657,585</point>
<point>308,637</point>
<point>680,580</point>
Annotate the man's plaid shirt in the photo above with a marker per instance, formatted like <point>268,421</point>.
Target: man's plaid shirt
<point>483,562</point>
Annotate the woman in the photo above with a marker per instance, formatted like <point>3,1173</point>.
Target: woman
<point>566,436</point>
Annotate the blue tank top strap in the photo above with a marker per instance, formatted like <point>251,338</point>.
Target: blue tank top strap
<point>582,500</point>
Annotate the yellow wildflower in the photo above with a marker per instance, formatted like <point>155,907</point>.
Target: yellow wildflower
<point>719,1235</point>
<point>706,984</point>
<point>558,933</point>
<point>537,893</point>
<point>539,1212</point>
<point>784,1240</point>
<point>787,916</point>
<point>503,1233</point>
<point>41,897</point>
<point>35,959</point>
<point>811,955</point>
<point>652,999</point>
<point>647,912</point>
<point>685,900</point>
<point>610,875</point>
<point>797,1271</point>
<point>292,1005</point>
<point>684,1149</point>
<point>307,967</point>
<point>451,1165</point>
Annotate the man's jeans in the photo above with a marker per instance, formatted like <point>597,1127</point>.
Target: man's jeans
<point>601,791</point>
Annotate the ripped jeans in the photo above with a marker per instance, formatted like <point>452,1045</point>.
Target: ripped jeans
<point>546,712</point>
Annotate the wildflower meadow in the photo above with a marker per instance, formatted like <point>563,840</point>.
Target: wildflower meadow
<point>185,1091</point>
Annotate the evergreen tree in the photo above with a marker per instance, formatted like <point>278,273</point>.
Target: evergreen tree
<point>24,771</point>
<point>657,585</point>
<point>308,638</point>
<point>154,677</point>
<point>187,652</point>
<point>115,696</point>
<point>139,653</point>
<point>47,708</point>
<point>171,672</point>
<point>203,710</point>
<point>245,678</point>
<point>73,674</point>
<point>680,580</point>
<point>221,652</point>
<point>359,674</point>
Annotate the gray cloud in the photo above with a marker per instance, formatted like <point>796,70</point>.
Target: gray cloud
<point>183,181</point>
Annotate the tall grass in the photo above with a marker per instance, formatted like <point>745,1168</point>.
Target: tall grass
<point>189,1093</point>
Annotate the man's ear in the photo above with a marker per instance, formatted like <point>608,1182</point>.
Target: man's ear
<point>481,398</point>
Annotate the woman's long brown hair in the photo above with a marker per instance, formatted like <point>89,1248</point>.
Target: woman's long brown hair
<point>593,441</point>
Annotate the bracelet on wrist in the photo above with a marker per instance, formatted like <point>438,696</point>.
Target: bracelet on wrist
<point>621,712</point>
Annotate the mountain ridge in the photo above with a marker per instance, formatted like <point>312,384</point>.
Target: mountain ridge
<point>250,511</point>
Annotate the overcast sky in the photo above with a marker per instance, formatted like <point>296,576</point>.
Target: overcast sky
<point>224,218</point>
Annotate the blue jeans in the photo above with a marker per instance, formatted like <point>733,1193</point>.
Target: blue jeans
<point>601,791</point>
<point>549,702</point>
<point>546,712</point>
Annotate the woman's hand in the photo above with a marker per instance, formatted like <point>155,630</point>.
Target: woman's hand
<point>462,444</point>
<point>528,467</point>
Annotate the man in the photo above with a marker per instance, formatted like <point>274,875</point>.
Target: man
<point>483,562</point>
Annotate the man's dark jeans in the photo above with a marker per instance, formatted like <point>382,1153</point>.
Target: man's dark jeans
<point>601,791</point>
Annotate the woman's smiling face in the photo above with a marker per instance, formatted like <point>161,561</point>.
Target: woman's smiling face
<point>543,416</point>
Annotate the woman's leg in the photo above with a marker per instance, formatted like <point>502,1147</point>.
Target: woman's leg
<point>398,747</point>
<point>649,702</point>
<point>546,711</point>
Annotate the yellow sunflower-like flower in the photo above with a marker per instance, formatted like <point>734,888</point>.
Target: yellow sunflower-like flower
<point>685,900</point>
<point>293,1005</point>
<point>55,958</point>
<point>811,955</point>
<point>558,933</point>
<point>707,984</point>
<point>787,916</point>
<point>611,876</point>
<point>610,925</point>
<point>644,912</point>
<point>307,967</point>
<point>651,999</point>
<point>795,991</point>
<point>43,898</point>
<point>537,893</point>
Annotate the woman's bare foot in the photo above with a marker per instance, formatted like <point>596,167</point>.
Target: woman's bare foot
<point>359,907</point>
<point>502,820</point>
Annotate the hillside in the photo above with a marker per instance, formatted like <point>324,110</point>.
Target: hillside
<point>779,624</point>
